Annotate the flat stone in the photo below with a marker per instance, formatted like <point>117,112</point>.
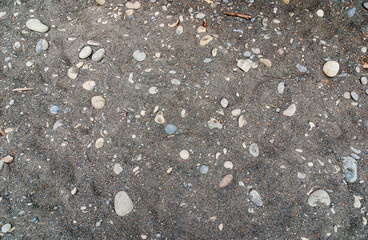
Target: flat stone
<point>184,154</point>
<point>85,52</point>
<point>236,112</point>
<point>354,96</point>
<point>281,87</point>
<point>203,169</point>
<point>244,65</point>
<point>213,123</point>
<point>139,56</point>
<point>93,43</point>
<point>100,2</point>
<point>224,102</point>
<point>42,45</point>
<point>8,159</point>
<point>170,129</point>
<point>351,12</point>
<point>254,150</point>
<point>133,5</point>
<point>117,168</point>
<point>6,227</point>
<point>350,169</point>
<point>72,73</point>
<point>2,14</point>
<point>89,85</point>
<point>364,80</point>
<point>36,25</point>
<point>242,121</point>
<point>226,181</point>
<point>205,40</point>
<point>123,204</point>
<point>98,55</point>
<point>319,198</point>
<point>331,68</point>
<point>99,143</point>
<point>320,13</point>
<point>98,102</point>
<point>290,110</point>
<point>255,198</point>
<point>301,68</point>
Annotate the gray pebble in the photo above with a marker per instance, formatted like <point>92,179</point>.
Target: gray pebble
<point>357,151</point>
<point>353,155</point>
<point>170,129</point>
<point>203,169</point>
<point>318,198</point>
<point>349,165</point>
<point>207,60</point>
<point>364,80</point>
<point>98,55</point>
<point>247,54</point>
<point>254,150</point>
<point>54,109</point>
<point>281,87</point>
<point>301,68</point>
<point>42,45</point>
<point>354,96</point>
<point>123,204</point>
<point>6,227</point>
<point>366,91</point>
<point>365,5</point>
<point>351,12</point>
<point>255,198</point>
<point>139,56</point>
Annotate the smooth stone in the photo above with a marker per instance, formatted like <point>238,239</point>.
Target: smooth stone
<point>205,40</point>
<point>1,165</point>
<point>242,121</point>
<point>301,68</point>
<point>244,65</point>
<point>89,85</point>
<point>207,60</point>
<point>159,118</point>
<point>117,168</point>
<point>54,109</point>
<point>364,80</point>
<point>266,62</point>
<point>98,102</point>
<point>100,2</point>
<point>366,91</point>
<point>184,154</point>
<point>357,203</point>
<point>133,5</point>
<point>123,204</point>
<point>236,112</point>
<point>354,96</point>
<point>331,68</point>
<point>179,30</point>
<point>99,143</point>
<point>139,56</point>
<point>85,52</point>
<point>93,43</point>
<point>224,103</point>
<point>290,110</point>
<point>226,180</point>
<point>247,54</point>
<point>6,227</point>
<point>175,81</point>
<point>203,169</point>
<point>281,87</point>
<point>57,124</point>
<point>170,129</point>
<point>350,170</point>
<point>228,165</point>
<point>200,15</point>
<point>320,13</point>
<point>201,29</point>
<point>318,198</point>
<point>98,55</point>
<point>36,25</point>
<point>42,44</point>
<point>346,95</point>
<point>351,12</point>
<point>357,151</point>
<point>2,14</point>
<point>365,5</point>
<point>213,123</point>
<point>72,73</point>
<point>255,198</point>
<point>355,156</point>
<point>254,150</point>
<point>153,90</point>
<point>74,191</point>
<point>7,159</point>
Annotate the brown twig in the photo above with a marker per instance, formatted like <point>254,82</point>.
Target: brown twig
<point>245,16</point>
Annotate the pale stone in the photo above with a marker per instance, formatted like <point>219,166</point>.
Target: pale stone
<point>123,204</point>
<point>98,102</point>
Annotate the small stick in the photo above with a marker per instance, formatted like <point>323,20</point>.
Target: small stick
<point>246,16</point>
<point>22,89</point>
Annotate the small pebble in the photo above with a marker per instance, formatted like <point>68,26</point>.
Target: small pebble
<point>347,95</point>
<point>133,5</point>
<point>224,102</point>
<point>54,109</point>
<point>36,25</point>
<point>320,13</point>
<point>42,45</point>
<point>281,87</point>
<point>152,90</point>
<point>99,143</point>
<point>2,14</point>
<point>254,150</point>
<point>160,118</point>
<point>331,68</point>
<point>98,55</point>
<point>290,110</point>
<point>244,65</point>
<point>57,124</point>
<point>351,12</point>
<point>98,102</point>
<point>364,80</point>
<point>353,155</point>
<point>205,40</point>
<point>318,198</point>
<point>184,154</point>
<point>139,56</point>
<point>85,52</point>
<point>89,85</point>
<point>228,165</point>
<point>301,68</point>
<point>350,170</point>
<point>6,227</point>
<point>74,191</point>
<point>226,180</point>
<point>100,2</point>
<point>123,204</point>
<point>203,169</point>
<point>354,96</point>
<point>7,159</point>
<point>242,121</point>
<point>266,62</point>
<point>255,198</point>
<point>236,112</point>
<point>170,129</point>
<point>72,73</point>
<point>213,123</point>
<point>365,5</point>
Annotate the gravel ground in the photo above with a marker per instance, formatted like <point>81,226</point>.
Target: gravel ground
<point>171,120</point>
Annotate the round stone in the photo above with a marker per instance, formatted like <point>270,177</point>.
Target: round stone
<point>228,165</point>
<point>139,56</point>
<point>36,25</point>
<point>170,129</point>
<point>226,180</point>
<point>203,169</point>
<point>347,95</point>
<point>98,55</point>
<point>6,227</point>
<point>42,45</point>
<point>224,102</point>
<point>99,143</point>
<point>85,52</point>
<point>153,90</point>
<point>98,102</point>
<point>331,68</point>
<point>254,150</point>
<point>89,85</point>
<point>54,109</point>
<point>123,204</point>
<point>319,197</point>
<point>184,154</point>
<point>364,80</point>
<point>72,73</point>
<point>236,112</point>
<point>320,13</point>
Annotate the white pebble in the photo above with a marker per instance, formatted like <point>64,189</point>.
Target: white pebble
<point>184,154</point>
<point>98,102</point>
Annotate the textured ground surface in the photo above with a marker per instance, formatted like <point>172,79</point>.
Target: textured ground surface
<point>298,154</point>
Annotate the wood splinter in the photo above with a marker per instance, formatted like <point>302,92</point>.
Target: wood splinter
<point>22,89</point>
<point>245,16</point>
